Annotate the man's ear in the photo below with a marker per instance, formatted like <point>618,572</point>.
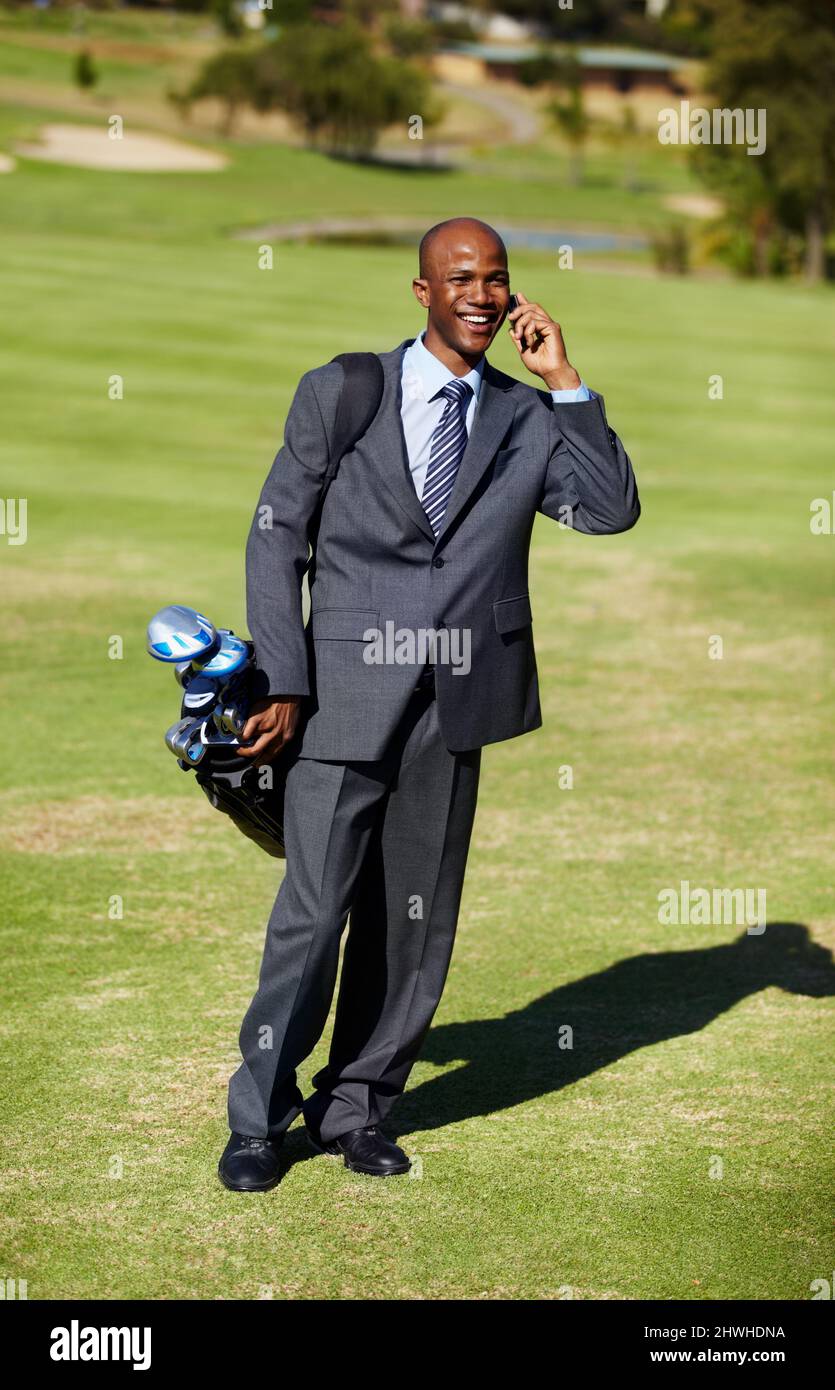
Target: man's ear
<point>421,292</point>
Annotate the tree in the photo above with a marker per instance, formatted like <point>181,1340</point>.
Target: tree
<point>291,11</point>
<point>230,78</point>
<point>86,74</point>
<point>570,115</point>
<point>595,19</point>
<point>564,73</point>
<point>543,67</point>
<point>624,136</point>
<point>367,12</point>
<point>747,188</point>
<point>409,39</point>
<point>330,81</point>
<point>228,16</point>
<point>781,59</point>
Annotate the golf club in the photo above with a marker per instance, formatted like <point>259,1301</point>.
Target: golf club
<point>185,740</point>
<point>179,634</point>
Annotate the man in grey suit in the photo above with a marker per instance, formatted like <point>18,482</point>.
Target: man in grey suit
<point>419,651</point>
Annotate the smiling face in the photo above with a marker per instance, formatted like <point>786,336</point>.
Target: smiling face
<point>465,285</point>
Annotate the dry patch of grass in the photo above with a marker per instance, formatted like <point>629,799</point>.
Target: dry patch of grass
<point>121,50</point>
<point>106,825</point>
<point>591,837</point>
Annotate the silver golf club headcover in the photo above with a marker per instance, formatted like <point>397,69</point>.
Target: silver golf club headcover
<point>178,634</point>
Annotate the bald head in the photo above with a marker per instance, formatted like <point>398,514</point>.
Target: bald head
<point>464,285</point>
<point>445,237</point>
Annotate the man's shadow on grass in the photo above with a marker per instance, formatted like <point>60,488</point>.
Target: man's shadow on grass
<point>632,1004</point>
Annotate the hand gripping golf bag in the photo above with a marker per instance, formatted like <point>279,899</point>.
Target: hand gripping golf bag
<point>252,795</point>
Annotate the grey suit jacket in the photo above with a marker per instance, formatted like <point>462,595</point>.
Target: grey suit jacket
<point>378,561</point>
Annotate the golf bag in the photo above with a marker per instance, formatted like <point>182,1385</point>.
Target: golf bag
<point>252,795</point>
<point>215,703</point>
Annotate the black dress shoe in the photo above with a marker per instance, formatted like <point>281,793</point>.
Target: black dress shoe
<point>250,1165</point>
<point>365,1151</point>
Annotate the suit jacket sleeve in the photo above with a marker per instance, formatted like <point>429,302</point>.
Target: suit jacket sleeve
<point>589,484</point>
<point>278,546</point>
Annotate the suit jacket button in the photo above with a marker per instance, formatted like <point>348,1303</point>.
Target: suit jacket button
<point>438,563</point>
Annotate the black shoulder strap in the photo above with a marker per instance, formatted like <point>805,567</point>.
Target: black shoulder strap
<point>359,401</point>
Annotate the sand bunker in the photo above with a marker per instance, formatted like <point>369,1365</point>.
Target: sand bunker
<point>694,204</point>
<point>92,148</point>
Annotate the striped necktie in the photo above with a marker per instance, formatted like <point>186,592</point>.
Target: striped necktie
<point>448,444</point>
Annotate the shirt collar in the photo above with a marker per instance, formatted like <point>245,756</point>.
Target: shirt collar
<point>423,368</point>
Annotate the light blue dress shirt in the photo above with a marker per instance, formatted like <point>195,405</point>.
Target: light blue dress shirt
<point>423,376</point>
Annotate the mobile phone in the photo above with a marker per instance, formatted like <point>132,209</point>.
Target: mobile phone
<point>514,304</point>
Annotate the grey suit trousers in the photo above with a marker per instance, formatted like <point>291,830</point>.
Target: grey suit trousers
<point>386,841</point>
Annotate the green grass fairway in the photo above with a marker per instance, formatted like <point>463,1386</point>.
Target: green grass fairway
<point>680,1148</point>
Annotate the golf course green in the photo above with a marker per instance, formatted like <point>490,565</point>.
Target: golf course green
<point>679,1147</point>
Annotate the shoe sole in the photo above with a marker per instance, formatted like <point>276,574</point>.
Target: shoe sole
<point>375,1172</point>
<point>260,1187</point>
<point>357,1167</point>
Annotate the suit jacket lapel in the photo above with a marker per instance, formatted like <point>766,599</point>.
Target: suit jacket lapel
<point>387,445</point>
<point>492,418</point>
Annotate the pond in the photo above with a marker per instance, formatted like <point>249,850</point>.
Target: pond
<point>396,232</point>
